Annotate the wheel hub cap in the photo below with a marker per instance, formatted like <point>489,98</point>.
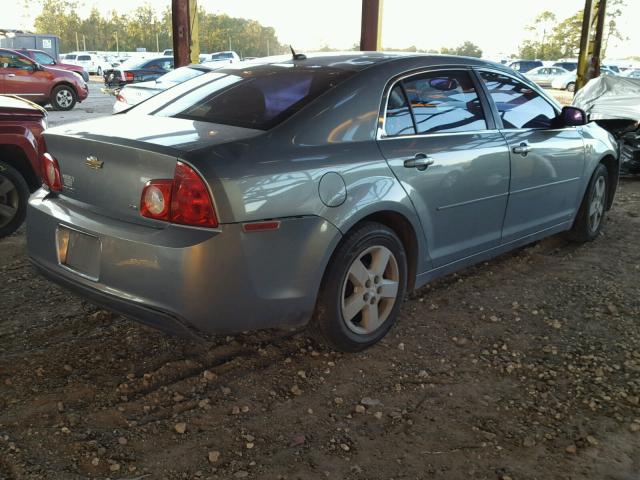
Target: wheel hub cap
<point>370,290</point>
<point>64,98</point>
<point>596,206</point>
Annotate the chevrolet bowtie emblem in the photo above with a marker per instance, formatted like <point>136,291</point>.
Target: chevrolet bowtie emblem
<point>93,162</point>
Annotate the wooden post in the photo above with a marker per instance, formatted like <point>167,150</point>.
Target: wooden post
<point>181,36</point>
<point>370,30</point>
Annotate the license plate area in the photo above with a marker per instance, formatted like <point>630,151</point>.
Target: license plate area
<point>78,252</point>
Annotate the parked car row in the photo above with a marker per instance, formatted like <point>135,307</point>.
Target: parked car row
<point>268,195</point>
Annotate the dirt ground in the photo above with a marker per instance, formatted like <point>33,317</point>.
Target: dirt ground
<point>526,367</point>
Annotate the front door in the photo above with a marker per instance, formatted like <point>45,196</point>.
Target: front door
<point>546,162</point>
<point>20,77</point>
<point>439,140</point>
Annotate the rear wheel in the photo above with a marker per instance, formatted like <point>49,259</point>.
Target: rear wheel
<point>63,97</point>
<point>571,87</point>
<point>590,218</point>
<point>14,194</point>
<point>362,289</point>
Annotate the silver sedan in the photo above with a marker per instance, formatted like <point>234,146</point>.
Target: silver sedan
<point>313,189</point>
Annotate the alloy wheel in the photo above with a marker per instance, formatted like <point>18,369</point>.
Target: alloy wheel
<point>9,201</point>
<point>370,290</point>
<point>596,206</point>
<point>64,98</point>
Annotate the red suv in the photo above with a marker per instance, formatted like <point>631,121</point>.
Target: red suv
<point>21,147</point>
<point>43,58</point>
<point>20,75</point>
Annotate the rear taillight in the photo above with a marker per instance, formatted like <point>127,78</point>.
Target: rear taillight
<point>184,200</point>
<point>120,98</point>
<point>51,173</point>
<point>128,76</point>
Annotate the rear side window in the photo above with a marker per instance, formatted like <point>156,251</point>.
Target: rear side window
<point>70,57</point>
<point>440,102</point>
<point>519,105</point>
<point>84,57</point>
<point>398,121</point>
<point>43,58</point>
<point>258,98</point>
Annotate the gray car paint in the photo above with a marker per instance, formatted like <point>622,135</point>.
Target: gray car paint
<point>228,280</point>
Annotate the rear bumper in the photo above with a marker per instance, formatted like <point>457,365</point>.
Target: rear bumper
<point>183,280</point>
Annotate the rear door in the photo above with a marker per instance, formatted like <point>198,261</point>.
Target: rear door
<point>546,162</point>
<point>439,139</point>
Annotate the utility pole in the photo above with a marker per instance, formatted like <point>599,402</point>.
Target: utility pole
<point>84,43</point>
<point>157,44</point>
<point>229,42</point>
<point>267,47</point>
<point>117,46</point>
<point>370,28</point>
<point>77,44</point>
<point>184,14</point>
<point>591,41</point>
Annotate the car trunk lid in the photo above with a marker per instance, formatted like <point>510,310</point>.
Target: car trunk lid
<point>106,163</point>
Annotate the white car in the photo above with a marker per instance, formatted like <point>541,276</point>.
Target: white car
<point>91,62</point>
<point>568,81</point>
<point>223,57</point>
<point>544,76</point>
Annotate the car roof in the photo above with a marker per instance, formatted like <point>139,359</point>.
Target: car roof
<point>357,61</point>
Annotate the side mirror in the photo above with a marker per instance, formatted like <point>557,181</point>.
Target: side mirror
<point>572,117</point>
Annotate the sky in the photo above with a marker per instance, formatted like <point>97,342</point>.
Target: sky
<point>497,26</point>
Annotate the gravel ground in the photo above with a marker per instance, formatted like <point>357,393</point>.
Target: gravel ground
<point>526,367</point>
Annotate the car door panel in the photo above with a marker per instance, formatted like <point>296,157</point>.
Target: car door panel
<point>461,195</point>
<point>546,162</point>
<point>21,78</point>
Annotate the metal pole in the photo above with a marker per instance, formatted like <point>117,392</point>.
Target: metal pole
<point>371,25</point>
<point>84,43</point>
<point>77,44</point>
<point>267,47</point>
<point>229,42</point>
<point>117,45</point>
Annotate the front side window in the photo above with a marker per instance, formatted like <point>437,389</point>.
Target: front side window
<point>444,102</point>
<point>43,58</point>
<point>11,60</point>
<point>519,105</point>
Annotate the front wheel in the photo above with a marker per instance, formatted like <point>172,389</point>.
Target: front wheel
<point>362,289</point>
<point>63,97</point>
<point>14,195</point>
<point>590,218</point>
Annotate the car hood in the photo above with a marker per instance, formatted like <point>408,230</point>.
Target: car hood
<point>68,66</point>
<point>155,133</point>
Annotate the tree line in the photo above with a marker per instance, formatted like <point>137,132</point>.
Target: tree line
<point>145,28</point>
<point>553,39</point>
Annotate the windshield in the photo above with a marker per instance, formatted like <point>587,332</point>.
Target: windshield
<point>133,63</point>
<point>180,75</point>
<point>259,97</point>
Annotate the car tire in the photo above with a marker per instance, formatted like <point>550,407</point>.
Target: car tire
<point>590,217</point>
<point>362,289</point>
<point>63,97</point>
<point>14,195</point>
<point>571,87</point>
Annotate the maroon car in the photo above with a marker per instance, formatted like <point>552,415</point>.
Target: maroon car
<point>20,75</point>
<point>43,58</point>
<point>21,147</point>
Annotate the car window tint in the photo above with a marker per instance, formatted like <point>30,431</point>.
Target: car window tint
<point>519,105</point>
<point>9,60</point>
<point>259,97</point>
<point>70,57</point>
<point>444,102</point>
<point>398,120</point>
<point>84,57</point>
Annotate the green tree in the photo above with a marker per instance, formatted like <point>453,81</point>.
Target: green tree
<point>467,49</point>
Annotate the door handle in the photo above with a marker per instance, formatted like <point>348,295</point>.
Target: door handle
<point>420,161</point>
<point>521,149</point>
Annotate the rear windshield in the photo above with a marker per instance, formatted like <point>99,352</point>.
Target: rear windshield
<point>259,97</point>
